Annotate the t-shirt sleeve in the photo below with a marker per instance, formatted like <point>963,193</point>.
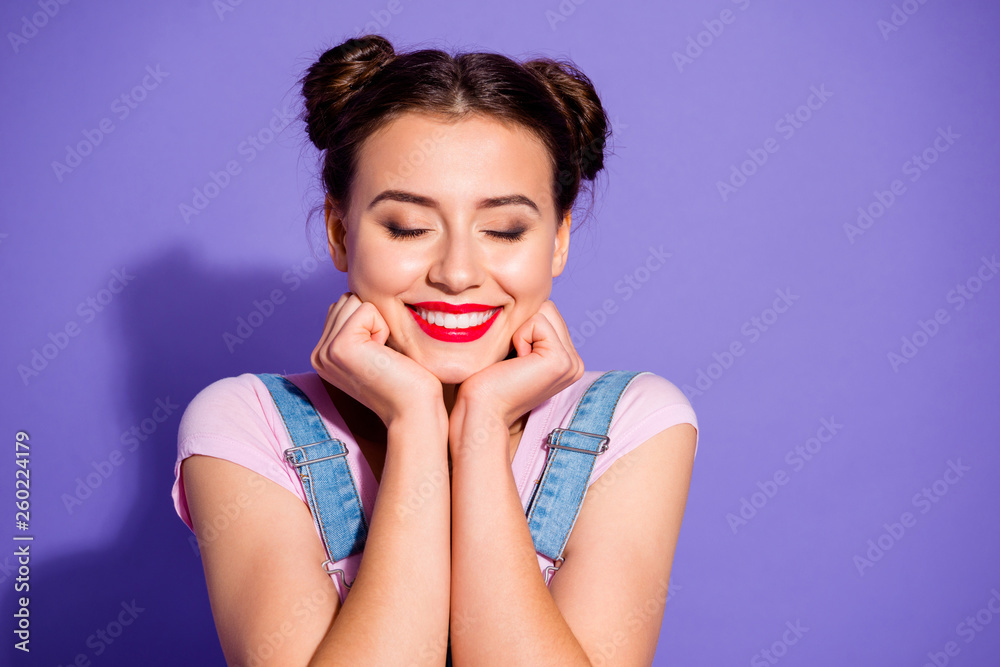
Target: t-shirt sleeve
<point>229,419</point>
<point>649,405</point>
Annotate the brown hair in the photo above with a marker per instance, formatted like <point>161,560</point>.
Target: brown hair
<point>355,88</point>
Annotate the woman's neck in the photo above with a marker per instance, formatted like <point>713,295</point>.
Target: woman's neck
<point>450,391</point>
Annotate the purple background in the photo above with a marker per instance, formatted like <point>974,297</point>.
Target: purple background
<point>679,131</point>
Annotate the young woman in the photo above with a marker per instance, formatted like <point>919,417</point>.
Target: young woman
<point>443,371</point>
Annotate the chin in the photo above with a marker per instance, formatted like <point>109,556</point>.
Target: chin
<point>452,378</point>
<point>452,373</point>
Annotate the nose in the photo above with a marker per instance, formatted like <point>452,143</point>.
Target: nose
<point>457,265</point>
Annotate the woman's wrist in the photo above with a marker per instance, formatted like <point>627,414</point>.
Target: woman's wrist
<point>429,418</point>
<point>473,427</point>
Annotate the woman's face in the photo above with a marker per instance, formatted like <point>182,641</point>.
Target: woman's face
<point>420,173</point>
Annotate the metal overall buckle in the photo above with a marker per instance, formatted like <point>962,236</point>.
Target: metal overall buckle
<point>327,564</point>
<point>556,564</point>
<point>603,447</point>
<point>291,457</point>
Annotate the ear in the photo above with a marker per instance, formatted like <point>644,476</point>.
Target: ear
<point>562,245</point>
<point>336,234</point>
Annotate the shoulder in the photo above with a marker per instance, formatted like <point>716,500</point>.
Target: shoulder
<point>655,389</point>
<point>234,419</point>
<point>646,394</point>
<point>651,396</point>
<point>219,407</point>
<point>227,389</point>
<point>649,405</point>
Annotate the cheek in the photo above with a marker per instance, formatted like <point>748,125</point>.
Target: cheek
<point>376,270</point>
<point>529,282</point>
<point>525,275</point>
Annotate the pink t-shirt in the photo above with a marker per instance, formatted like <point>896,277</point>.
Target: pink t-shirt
<point>235,419</point>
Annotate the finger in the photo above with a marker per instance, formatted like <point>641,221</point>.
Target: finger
<point>554,327</point>
<point>331,314</point>
<point>555,321</point>
<point>335,317</point>
<point>555,318</point>
<point>536,335</point>
<point>366,323</point>
<point>346,305</point>
<point>357,325</point>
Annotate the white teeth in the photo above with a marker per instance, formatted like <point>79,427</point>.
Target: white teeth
<point>452,321</point>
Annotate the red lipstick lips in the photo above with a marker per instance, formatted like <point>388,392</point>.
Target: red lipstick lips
<point>454,335</point>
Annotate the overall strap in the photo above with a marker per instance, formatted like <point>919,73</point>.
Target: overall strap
<point>558,498</point>
<point>321,464</point>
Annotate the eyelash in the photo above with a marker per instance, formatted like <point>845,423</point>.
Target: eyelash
<point>397,233</point>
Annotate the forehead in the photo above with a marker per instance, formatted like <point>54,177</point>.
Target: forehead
<point>454,161</point>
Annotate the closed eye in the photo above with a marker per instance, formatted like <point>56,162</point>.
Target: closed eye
<point>397,233</point>
<point>509,237</point>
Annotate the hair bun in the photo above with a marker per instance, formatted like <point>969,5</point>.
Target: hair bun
<point>333,80</point>
<point>581,106</point>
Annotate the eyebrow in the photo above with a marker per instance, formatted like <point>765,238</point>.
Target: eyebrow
<point>420,200</point>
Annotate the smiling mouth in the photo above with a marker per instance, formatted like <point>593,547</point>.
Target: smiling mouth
<point>453,321</point>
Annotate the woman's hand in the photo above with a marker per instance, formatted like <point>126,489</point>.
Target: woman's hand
<point>352,355</point>
<point>546,363</point>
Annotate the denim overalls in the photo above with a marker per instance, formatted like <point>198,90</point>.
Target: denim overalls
<point>555,501</point>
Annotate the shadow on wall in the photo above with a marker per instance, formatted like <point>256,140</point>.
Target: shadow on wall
<point>185,326</point>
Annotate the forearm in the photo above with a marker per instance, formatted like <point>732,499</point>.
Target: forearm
<point>502,612</point>
<point>397,610</point>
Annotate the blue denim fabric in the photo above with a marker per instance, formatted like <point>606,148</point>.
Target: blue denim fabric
<point>322,467</point>
<point>555,502</point>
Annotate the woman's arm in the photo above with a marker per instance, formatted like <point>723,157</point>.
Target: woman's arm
<point>605,605</point>
<point>613,587</point>
<point>400,612</point>
<point>502,613</point>
<point>272,602</point>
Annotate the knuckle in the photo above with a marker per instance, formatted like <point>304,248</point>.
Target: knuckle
<point>568,364</point>
<point>335,349</point>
